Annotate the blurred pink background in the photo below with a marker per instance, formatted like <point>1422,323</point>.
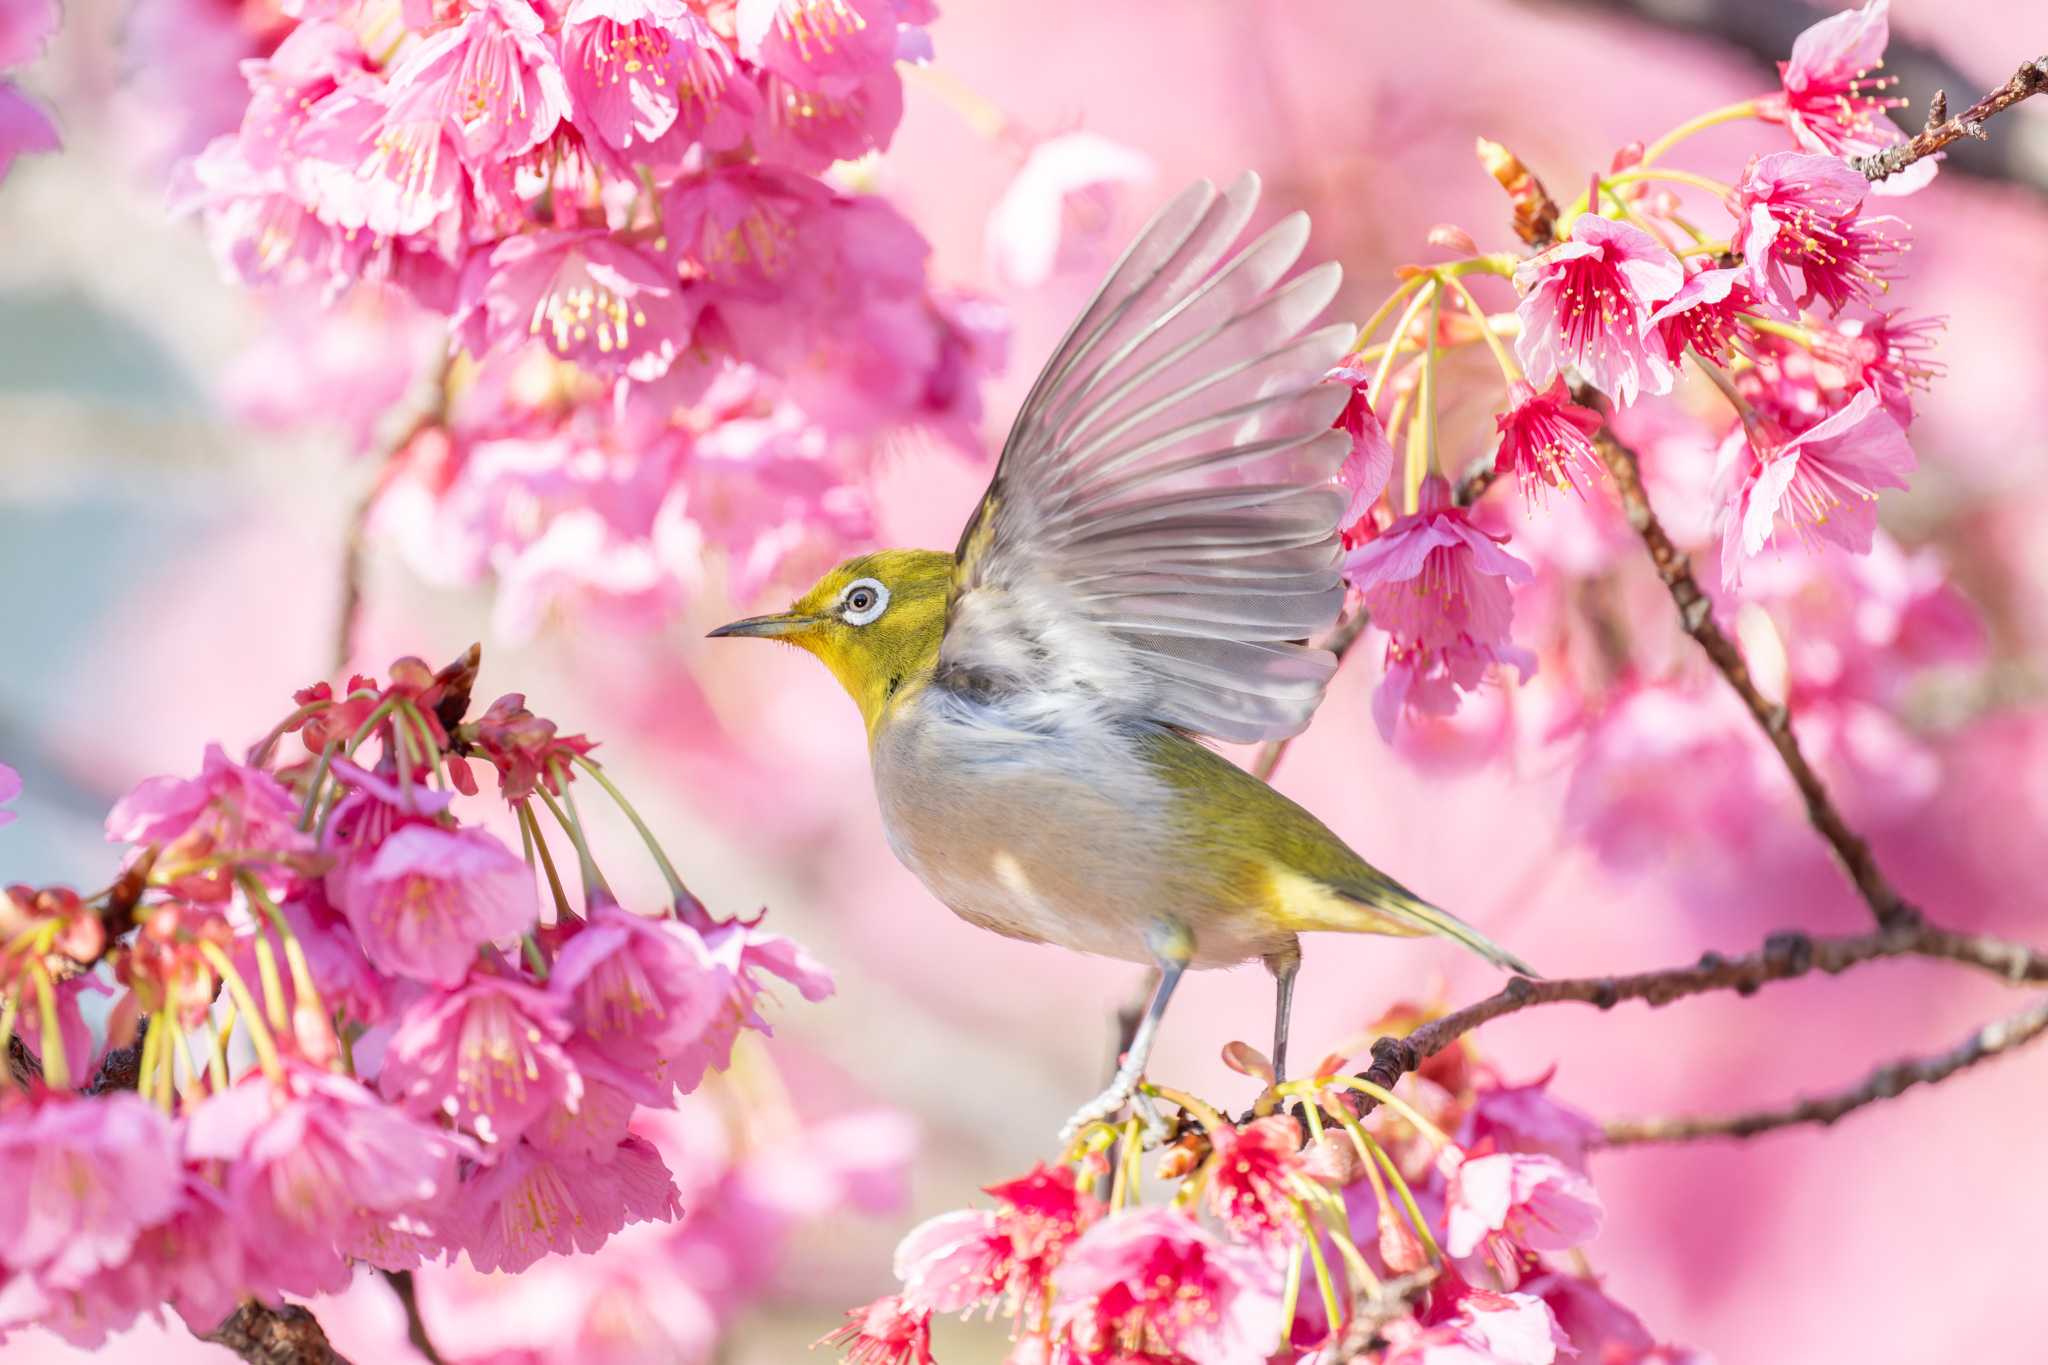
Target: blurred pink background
<point>170,575</point>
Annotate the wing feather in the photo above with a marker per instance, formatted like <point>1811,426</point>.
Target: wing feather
<point>1161,531</point>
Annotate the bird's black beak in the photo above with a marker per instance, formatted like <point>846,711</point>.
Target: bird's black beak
<point>780,623</point>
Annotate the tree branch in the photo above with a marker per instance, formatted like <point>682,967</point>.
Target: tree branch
<point>1885,1083</point>
<point>2030,79</point>
<point>401,1283</point>
<point>263,1335</point>
<point>1783,957</point>
<point>1696,615</point>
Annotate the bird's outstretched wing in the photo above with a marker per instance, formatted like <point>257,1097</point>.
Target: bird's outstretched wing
<point>1161,530</point>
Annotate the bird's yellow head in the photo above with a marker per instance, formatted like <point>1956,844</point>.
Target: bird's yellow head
<point>875,621</point>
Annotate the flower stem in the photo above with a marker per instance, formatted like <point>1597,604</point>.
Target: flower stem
<point>1290,1299</point>
<point>1428,398</point>
<point>1324,1284</point>
<point>586,866</point>
<point>56,1071</point>
<point>429,750</point>
<point>295,959</point>
<point>1726,114</point>
<point>1385,310</point>
<point>1407,1197</point>
<point>1509,370</point>
<point>1726,385</point>
<point>9,1008</point>
<point>1379,378</point>
<point>536,842</point>
<point>1207,1117</point>
<point>259,1036</point>
<point>675,883</point>
<point>1397,1104</point>
<point>318,781</point>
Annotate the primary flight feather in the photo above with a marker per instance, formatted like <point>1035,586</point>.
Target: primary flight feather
<point>1159,538</point>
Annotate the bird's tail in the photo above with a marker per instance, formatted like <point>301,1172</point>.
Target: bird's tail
<point>1388,907</point>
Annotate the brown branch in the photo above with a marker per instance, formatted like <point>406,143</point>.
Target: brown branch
<point>401,1283</point>
<point>1783,957</point>
<point>432,411</point>
<point>263,1335</point>
<point>2030,79</point>
<point>1339,643</point>
<point>1885,1083</point>
<point>1696,615</point>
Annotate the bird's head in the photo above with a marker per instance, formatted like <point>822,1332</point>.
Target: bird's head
<point>875,621</point>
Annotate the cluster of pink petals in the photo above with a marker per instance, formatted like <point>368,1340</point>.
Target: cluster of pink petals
<point>1586,304</point>
<point>1831,98</point>
<point>1803,234</point>
<point>1440,587</point>
<point>1546,440</point>
<point>685,340</point>
<point>1535,1201</point>
<point>1156,1281</point>
<point>437,1073</point>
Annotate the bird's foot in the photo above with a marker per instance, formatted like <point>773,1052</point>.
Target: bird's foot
<point>1122,1092</point>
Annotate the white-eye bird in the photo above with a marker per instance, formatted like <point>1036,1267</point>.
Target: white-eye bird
<point>1160,537</point>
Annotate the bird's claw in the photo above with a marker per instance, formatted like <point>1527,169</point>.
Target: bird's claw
<point>1122,1092</point>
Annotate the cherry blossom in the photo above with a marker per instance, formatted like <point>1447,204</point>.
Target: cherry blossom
<point>1584,305</point>
<point>1803,233</point>
<point>1831,99</point>
<point>1546,440</point>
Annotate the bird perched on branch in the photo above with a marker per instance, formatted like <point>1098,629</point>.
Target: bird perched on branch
<point>1160,537</point>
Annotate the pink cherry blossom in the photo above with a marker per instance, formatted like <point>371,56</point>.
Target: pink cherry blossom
<point>811,129</point>
<point>318,1170</point>
<point>1823,482</point>
<point>25,28</point>
<point>1481,1327</point>
<point>743,952</point>
<point>1440,588</point>
<point>648,72</point>
<point>594,299</point>
<point>642,991</point>
<point>1008,1254</point>
<point>532,1203</point>
<point>826,46</point>
<point>1535,1201</point>
<point>1890,354</point>
<point>885,1332</point>
<point>490,1056</point>
<point>1831,100</point>
<point>1802,233</point>
<point>1546,440</point>
<point>1524,1118</point>
<point>85,1176</point>
<point>428,897</point>
<point>229,810</point>
<point>1057,209</point>
<point>1249,1185</point>
<point>1158,1278</point>
<point>492,78</point>
<point>1370,462</point>
<point>1585,302</point>
<point>1705,315</point>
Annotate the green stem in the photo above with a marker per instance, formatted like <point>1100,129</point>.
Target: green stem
<point>1386,310</point>
<point>426,741</point>
<point>1509,370</point>
<point>259,1035</point>
<point>1726,114</point>
<point>1324,1284</point>
<point>586,866</point>
<point>1379,378</point>
<point>529,825</point>
<point>676,889</point>
<point>1400,1185</point>
<point>56,1071</point>
<point>313,787</point>
<point>9,1008</point>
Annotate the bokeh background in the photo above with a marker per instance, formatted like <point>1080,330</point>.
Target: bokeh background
<point>170,570</point>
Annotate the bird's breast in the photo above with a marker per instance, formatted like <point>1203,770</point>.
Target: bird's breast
<point>1055,835</point>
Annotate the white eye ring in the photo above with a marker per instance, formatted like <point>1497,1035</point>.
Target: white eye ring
<point>863,600</point>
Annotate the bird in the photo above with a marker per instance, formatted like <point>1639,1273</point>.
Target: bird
<point>1156,549</point>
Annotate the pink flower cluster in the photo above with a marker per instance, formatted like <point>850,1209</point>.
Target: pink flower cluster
<point>1630,296</point>
<point>1269,1242</point>
<point>664,332</point>
<point>441,1060</point>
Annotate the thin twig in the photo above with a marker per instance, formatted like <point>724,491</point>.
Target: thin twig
<point>263,1335</point>
<point>401,1283</point>
<point>1885,1083</point>
<point>1783,957</point>
<point>1696,614</point>
<point>433,411</point>
<point>1341,639</point>
<point>2030,79</point>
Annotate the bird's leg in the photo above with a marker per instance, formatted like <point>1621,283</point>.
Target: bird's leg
<point>1283,964</point>
<point>1172,947</point>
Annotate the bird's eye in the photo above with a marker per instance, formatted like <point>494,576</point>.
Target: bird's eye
<point>863,601</point>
